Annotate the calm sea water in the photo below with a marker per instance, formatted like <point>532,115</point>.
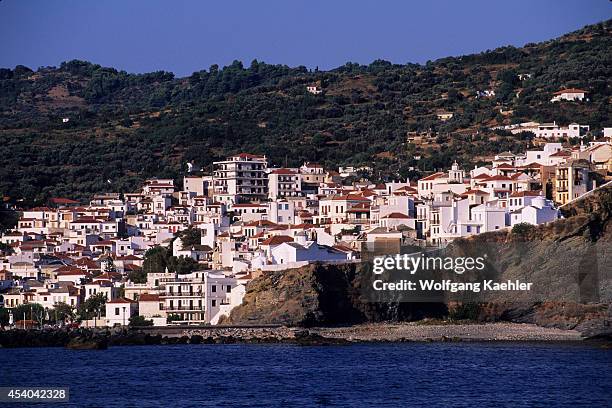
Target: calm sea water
<point>435,374</point>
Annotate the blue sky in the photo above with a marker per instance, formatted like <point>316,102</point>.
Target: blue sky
<point>183,36</point>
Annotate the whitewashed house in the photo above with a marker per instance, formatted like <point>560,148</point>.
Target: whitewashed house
<point>289,253</point>
<point>571,94</point>
<point>119,311</point>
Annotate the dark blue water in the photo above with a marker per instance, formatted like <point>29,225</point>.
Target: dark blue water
<point>438,374</point>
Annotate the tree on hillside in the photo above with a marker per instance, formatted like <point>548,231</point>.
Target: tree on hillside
<point>138,276</point>
<point>182,265</point>
<point>155,260</point>
<point>160,259</point>
<point>190,237</point>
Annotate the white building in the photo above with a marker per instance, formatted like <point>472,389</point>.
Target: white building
<point>241,178</point>
<point>314,89</point>
<point>284,183</point>
<point>282,212</point>
<point>289,253</point>
<point>536,210</point>
<point>540,156</point>
<point>571,94</point>
<point>119,311</point>
<point>553,130</point>
<point>490,217</point>
<point>195,298</point>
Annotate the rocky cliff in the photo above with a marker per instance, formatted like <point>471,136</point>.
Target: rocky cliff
<point>318,295</point>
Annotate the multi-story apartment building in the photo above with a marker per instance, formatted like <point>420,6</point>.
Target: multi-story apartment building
<point>284,183</point>
<point>241,178</point>
<point>571,180</point>
<point>196,297</point>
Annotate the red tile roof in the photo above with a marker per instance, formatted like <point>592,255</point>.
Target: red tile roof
<point>526,194</point>
<point>397,215</point>
<point>498,178</point>
<point>570,90</point>
<point>433,176</point>
<point>283,171</point>
<point>69,270</point>
<point>120,300</point>
<point>475,191</point>
<point>59,200</point>
<point>248,156</point>
<point>349,198</point>
<point>277,240</point>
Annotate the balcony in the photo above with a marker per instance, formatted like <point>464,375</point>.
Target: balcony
<point>181,294</point>
<point>193,308</point>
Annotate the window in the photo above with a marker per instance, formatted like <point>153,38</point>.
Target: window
<point>229,289</point>
<point>213,288</point>
<point>116,311</point>
<point>213,303</point>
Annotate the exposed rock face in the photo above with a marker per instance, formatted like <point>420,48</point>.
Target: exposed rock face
<point>320,295</point>
<point>570,260</point>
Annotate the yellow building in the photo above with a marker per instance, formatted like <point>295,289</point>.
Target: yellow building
<point>571,181</point>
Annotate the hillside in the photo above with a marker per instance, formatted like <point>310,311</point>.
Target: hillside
<point>568,262</point>
<point>125,127</point>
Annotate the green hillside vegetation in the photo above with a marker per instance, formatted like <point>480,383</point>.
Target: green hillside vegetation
<point>125,127</point>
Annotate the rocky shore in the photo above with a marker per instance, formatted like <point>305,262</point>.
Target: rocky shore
<point>423,331</point>
<point>362,333</point>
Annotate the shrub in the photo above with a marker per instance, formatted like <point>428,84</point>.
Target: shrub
<point>465,311</point>
<point>140,321</point>
<point>523,229</point>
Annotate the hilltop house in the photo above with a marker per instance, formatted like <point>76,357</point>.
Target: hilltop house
<point>571,94</point>
<point>314,89</point>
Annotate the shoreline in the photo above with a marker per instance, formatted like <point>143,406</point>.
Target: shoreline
<point>474,332</point>
<point>367,333</point>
